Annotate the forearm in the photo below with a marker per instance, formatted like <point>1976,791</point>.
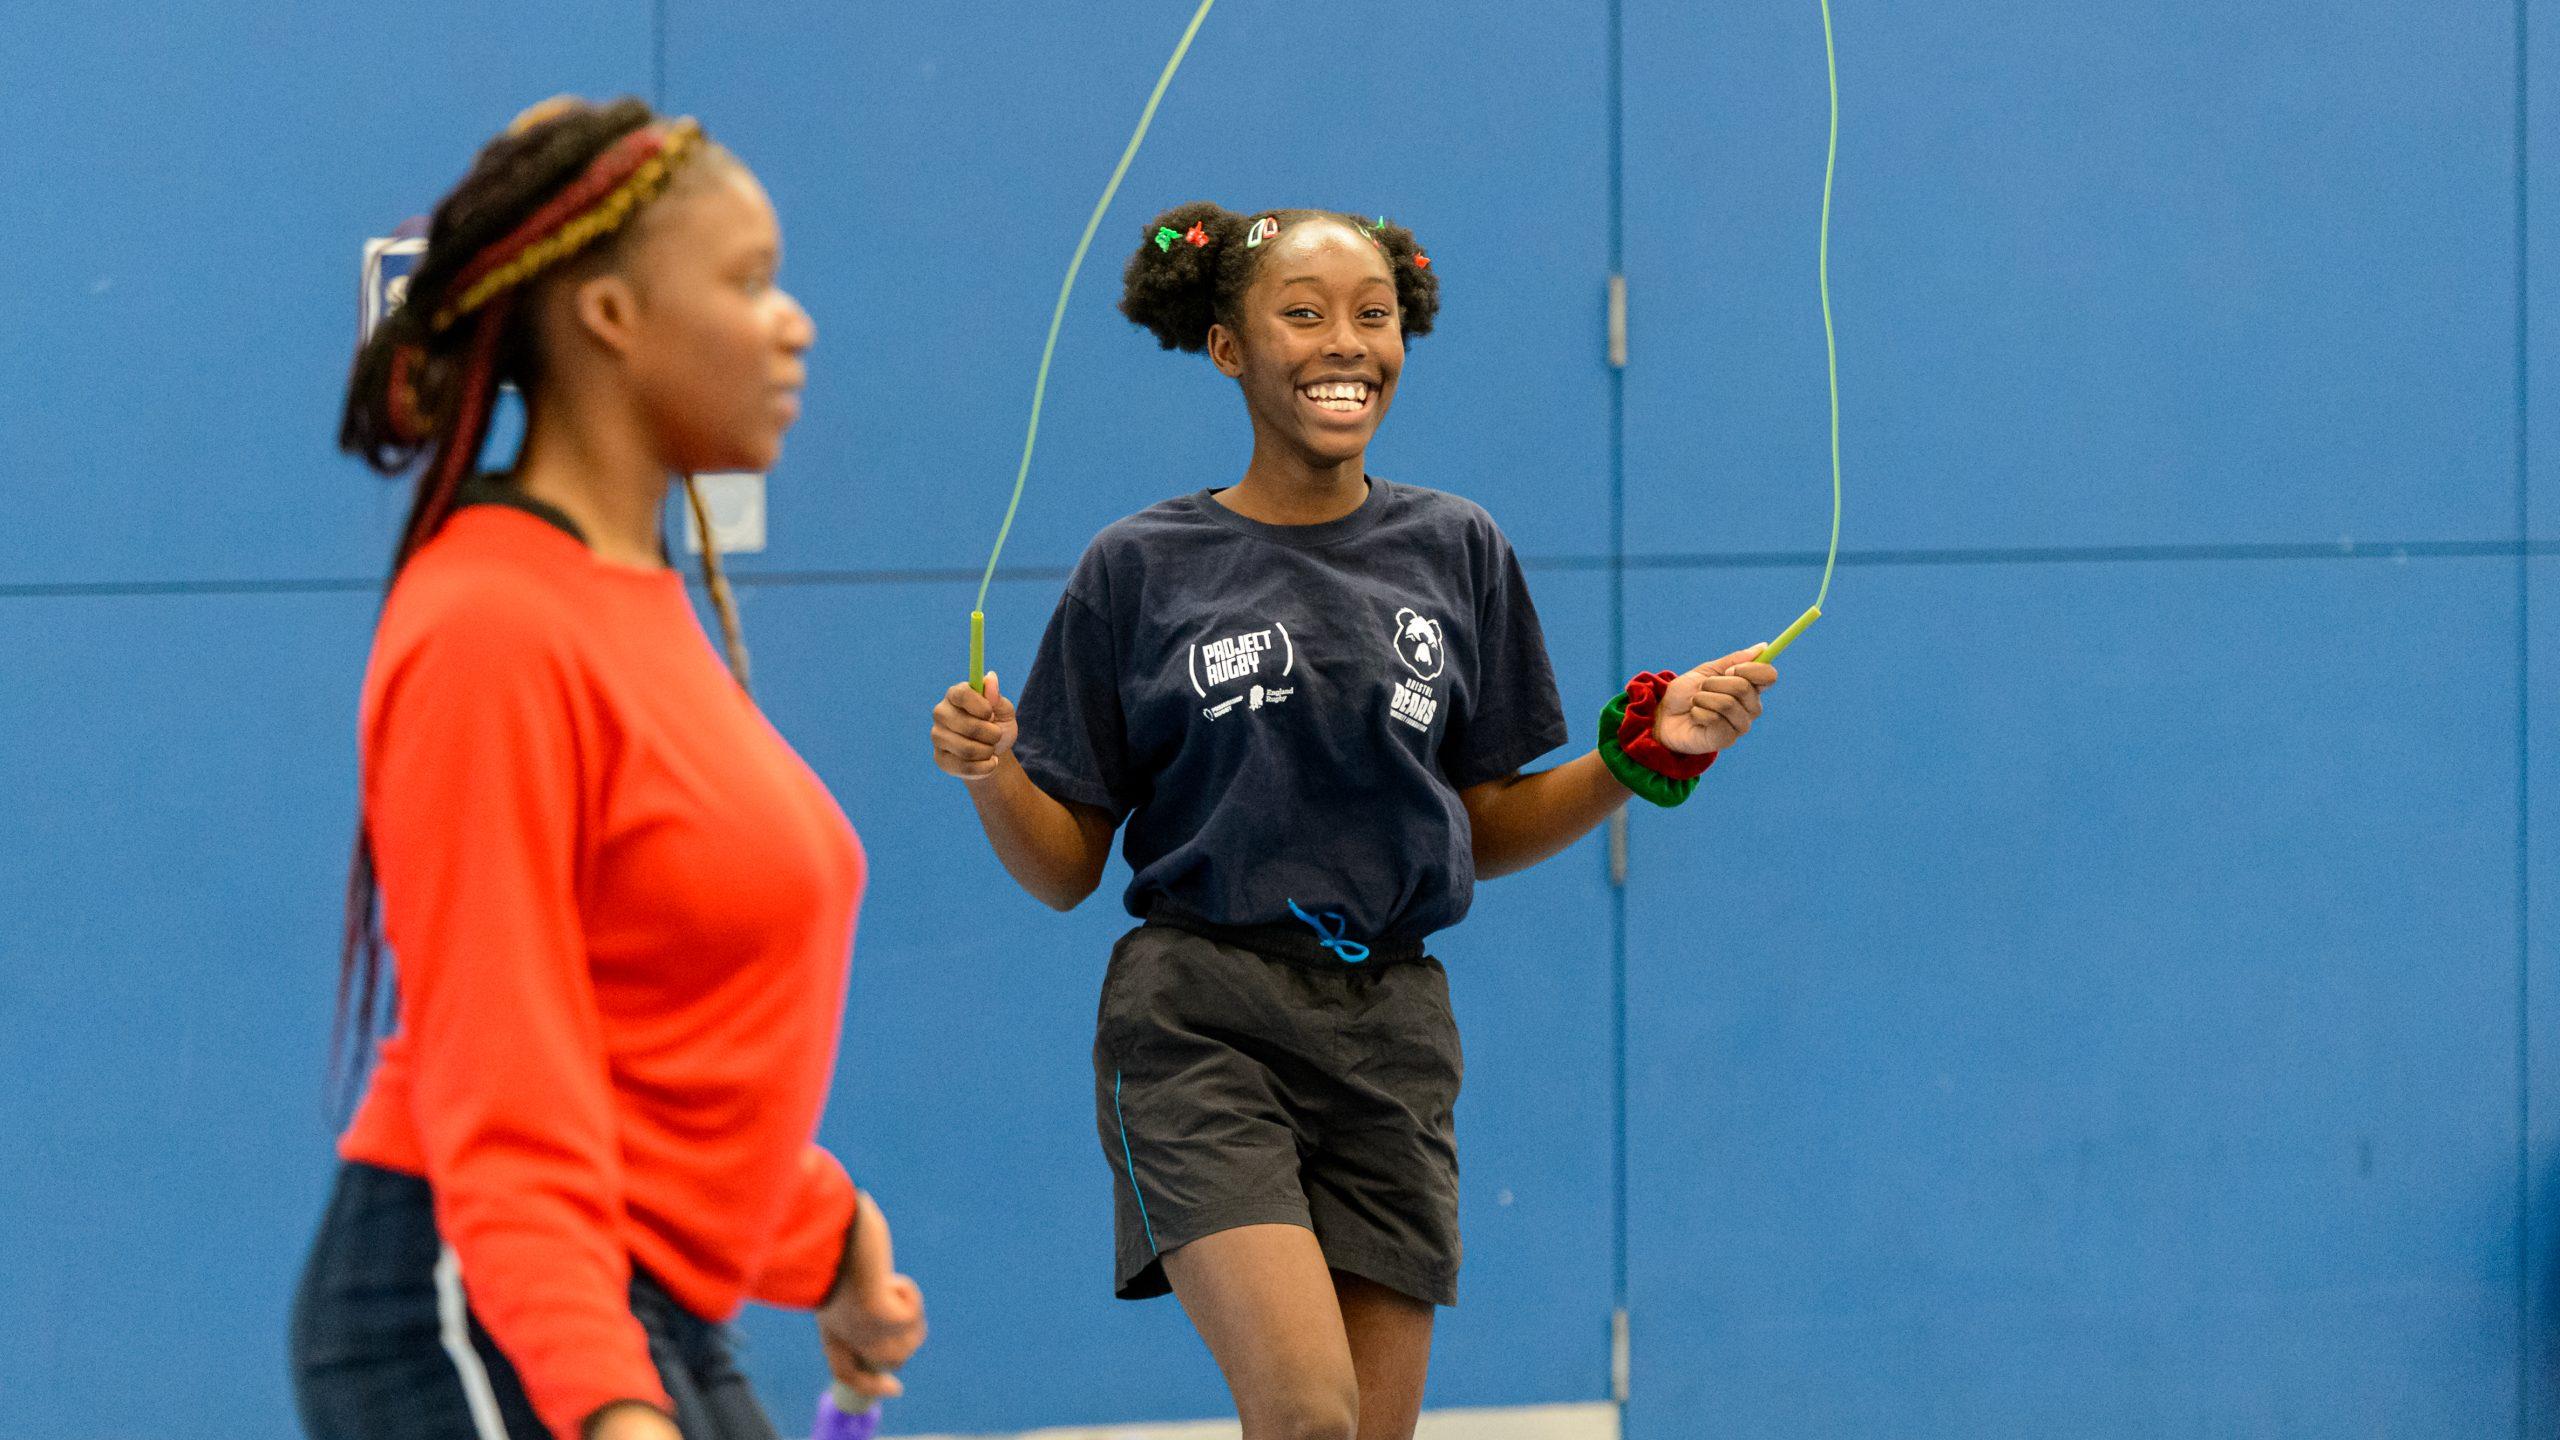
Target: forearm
<point>805,1260</point>
<point>862,1264</point>
<point>532,1225</point>
<point>1051,849</point>
<point>873,1319</point>
<point>1527,818</point>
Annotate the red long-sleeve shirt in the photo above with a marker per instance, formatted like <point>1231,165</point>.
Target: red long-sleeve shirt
<point>621,909</point>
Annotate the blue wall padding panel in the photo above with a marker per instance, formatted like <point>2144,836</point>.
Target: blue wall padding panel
<point>2136,275</point>
<point>194,189</point>
<point>934,166</point>
<point>2541,198</point>
<point>180,783</point>
<point>2541,1296</point>
<point>2108,999</point>
<point>2120,1037</point>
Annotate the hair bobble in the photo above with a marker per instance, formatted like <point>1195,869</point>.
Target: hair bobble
<point>1197,235</point>
<point>1180,300</point>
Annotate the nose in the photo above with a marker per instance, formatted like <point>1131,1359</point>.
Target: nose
<point>1344,341</point>
<point>799,332</point>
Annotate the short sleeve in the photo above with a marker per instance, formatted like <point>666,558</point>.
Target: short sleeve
<point>1512,713</point>
<point>1074,740</point>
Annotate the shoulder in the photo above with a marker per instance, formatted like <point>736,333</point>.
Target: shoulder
<point>1455,516</point>
<point>486,608</point>
<point>1453,527</point>
<point>1166,521</point>
<point>1120,554</point>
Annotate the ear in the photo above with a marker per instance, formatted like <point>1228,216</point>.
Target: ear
<point>1226,351</point>
<point>607,309</point>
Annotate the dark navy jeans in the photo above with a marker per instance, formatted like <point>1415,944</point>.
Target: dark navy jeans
<point>385,1348</point>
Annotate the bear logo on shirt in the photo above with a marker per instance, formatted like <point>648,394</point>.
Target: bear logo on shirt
<point>1420,644</point>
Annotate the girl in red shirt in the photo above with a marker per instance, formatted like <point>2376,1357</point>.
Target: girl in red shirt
<point>621,906</point>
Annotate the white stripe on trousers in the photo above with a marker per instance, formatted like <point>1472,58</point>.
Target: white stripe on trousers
<point>453,1316</point>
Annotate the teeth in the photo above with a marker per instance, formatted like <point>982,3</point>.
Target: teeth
<point>1342,396</point>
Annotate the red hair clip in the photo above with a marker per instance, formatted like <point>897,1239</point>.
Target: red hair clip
<point>1198,235</point>
<point>1421,261</point>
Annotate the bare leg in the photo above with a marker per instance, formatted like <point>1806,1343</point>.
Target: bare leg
<point>1261,1297</point>
<point>1390,1334</point>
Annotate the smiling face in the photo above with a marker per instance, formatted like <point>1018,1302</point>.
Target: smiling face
<point>1316,342</point>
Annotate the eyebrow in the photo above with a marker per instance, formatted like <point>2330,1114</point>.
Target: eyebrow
<point>1318,280</point>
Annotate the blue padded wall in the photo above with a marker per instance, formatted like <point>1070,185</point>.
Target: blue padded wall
<point>935,166</point>
<point>180,786</point>
<point>2099,1043</point>
<point>2186,273</point>
<point>2114,995</point>
<point>195,187</point>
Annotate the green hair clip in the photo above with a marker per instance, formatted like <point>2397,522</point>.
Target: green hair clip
<point>1165,236</point>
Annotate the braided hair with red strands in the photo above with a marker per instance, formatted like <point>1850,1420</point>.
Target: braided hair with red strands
<point>561,185</point>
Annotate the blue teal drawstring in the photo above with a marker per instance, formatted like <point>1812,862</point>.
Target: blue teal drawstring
<point>1330,935</point>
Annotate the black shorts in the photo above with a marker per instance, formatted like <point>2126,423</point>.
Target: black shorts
<point>385,1347</point>
<point>1253,1078</point>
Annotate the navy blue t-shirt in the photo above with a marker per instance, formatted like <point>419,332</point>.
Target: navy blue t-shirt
<point>1288,712</point>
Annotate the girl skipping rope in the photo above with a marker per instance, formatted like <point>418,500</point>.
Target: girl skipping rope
<point>1309,697</point>
<point>621,907</point>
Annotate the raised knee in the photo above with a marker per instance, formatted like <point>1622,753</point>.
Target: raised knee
<point>1311,1413</point>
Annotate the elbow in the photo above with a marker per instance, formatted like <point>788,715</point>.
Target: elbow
<point>1066,892</point>
<point>1057,881</point>
<point>1061,866</point>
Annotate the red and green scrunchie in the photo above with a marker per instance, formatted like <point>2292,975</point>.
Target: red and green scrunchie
<point>1636,755</point>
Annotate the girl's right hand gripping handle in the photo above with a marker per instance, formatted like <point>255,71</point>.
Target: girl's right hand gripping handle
<point>843,1416</point>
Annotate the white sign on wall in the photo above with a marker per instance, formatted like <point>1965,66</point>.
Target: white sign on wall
<point>389,261</point>
<point>736,503</point>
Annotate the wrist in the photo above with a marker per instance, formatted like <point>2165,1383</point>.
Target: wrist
<point>627,1420</point>
<point>864,1272</point>
<point>1636,755</point>
<point>848,1261</point>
